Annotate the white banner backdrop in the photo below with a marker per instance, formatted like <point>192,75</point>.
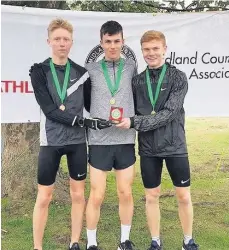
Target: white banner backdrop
<point>197,44</point>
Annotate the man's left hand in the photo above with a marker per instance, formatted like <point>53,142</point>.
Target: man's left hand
<point>125,123</point>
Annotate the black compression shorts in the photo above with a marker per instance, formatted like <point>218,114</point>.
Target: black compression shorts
<point>49,161</point>
<point>178,168</point>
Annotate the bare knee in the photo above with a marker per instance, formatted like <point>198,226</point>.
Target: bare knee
<point>43,199</point>
<point>125,194</point>
<point>77,197</point>
<point>96,197</point>
<point>152,196</point>
<point>184,198</point>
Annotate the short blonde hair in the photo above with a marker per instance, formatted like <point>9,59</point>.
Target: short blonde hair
<point>59,23</point>
<point>150,35</point>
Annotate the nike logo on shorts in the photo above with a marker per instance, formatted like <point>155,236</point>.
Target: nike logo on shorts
<point>80,175</point>
<point>183,182</point>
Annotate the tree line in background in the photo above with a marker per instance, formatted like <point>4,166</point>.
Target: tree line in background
<point>139,6</point>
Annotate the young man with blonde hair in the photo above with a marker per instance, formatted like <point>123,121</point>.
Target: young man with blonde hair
<point>159,93</point>
<point>58,85</point>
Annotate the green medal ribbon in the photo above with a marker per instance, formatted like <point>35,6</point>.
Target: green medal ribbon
<point>153,99</point>
<point>62,94</point>
<point>113,87</point>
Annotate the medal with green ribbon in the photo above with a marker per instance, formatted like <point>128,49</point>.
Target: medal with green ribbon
<point>153,99</point>
<point>113,87</point>
<point>61,93</point>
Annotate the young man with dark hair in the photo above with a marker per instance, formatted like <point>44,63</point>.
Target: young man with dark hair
<point>159,93</point>
<point>58,85</point>
<point>113,147</point>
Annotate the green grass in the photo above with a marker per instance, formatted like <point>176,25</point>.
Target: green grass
<point>208,143</point>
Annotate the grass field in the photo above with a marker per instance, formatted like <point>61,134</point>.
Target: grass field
<point>208,143</point>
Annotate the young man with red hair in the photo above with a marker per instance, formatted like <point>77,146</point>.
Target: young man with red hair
<point>159,93</point>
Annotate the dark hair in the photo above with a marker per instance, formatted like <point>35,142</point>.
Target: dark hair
<point>111,28</point>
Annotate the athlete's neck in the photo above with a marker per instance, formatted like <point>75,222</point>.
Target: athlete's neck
<point>59,61</point>
<point>112,59</point>
<point>156,66</point>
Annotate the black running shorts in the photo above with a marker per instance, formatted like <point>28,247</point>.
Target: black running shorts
<point>178,168</point>
<point>106,157</point>
<point>49,161</point>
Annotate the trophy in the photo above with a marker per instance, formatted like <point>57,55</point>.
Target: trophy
<point>116,114</point>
